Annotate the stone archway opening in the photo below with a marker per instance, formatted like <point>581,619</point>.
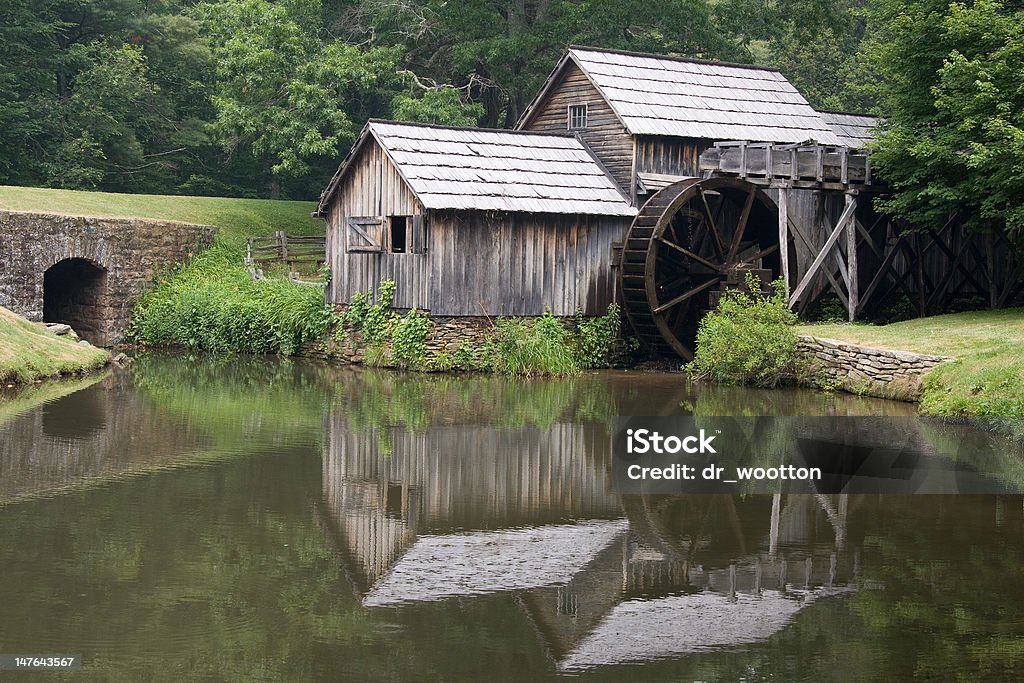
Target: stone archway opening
<point>75,293</point>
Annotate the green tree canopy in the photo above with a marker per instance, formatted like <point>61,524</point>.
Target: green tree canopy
<point>949,87</point>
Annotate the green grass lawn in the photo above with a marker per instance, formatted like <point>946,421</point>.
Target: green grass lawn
<point>988,375</point>
<point>236,218</point>
<point>28,352</point>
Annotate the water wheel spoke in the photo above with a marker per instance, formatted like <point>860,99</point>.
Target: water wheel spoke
<point>684,244</point>
<point>741,226</point>
<point>690,255</point>
<point>712,228</point>
<point>669,265</point>
<point>688,295</point>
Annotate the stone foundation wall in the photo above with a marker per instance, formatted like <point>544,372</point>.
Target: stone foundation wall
<point>124,254</point>
<point>446,335</point>
<point>869,371</point>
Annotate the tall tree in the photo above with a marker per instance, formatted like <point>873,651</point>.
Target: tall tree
<point>949,87</point>
<point>283,95</point>
<point>812,42</point>
<point>502,50</point>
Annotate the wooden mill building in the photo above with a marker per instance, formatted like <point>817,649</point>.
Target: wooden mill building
<point>471,222</point>
<point>653,181</point>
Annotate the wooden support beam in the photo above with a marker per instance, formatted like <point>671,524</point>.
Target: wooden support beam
<point>955,258</point>
<point>827,271</point>
<point>784,234</point>
<point>922,308</point>
<point>865,233</point>
<point>1012,284</point>
<point>881,273</point>
<point>812,270</point>
<point>851,253</point>
<point>990,271</point>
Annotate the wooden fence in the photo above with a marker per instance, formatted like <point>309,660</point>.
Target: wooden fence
<point>303,255</point>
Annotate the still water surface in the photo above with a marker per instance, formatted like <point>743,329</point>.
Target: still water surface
<point>253,519</point>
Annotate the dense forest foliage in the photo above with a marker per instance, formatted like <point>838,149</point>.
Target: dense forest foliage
<point>262,98</point>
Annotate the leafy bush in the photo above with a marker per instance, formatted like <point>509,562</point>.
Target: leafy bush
<point>373,320</point>
<point>409,340</point>
<point>212,303</point>
<point>748,338</point>
<point>596,338</point>
<point>517,346</point>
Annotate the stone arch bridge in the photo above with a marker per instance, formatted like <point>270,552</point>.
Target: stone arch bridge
<point>87,272</point>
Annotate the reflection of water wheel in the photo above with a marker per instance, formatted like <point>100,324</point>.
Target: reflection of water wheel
<point>689,242</point>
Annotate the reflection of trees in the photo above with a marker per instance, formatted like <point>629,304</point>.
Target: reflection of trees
<point>741,401</point>
<point>947,588</point>
<point>376,398</point>
<point>240,402</point>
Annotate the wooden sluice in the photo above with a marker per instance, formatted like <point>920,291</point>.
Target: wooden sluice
<point>843,247</point>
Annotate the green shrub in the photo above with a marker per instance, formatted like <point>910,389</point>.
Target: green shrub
<point>374,321</point>
<point>748,339</point>
<point>597,338</point>
<point>212,303</point>
<point>409,340</point>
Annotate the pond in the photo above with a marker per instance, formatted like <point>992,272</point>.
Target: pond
<point>262,519</point>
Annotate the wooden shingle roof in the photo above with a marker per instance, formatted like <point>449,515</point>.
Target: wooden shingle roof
<point>657,95</point>
<point>493,170</point>
<point>854,130</point>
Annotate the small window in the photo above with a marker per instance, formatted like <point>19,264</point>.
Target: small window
<point>407,235</point>
<point>577,116</point>
<point>399,234</point>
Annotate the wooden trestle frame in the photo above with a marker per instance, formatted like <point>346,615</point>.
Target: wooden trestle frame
<point>865,259</point>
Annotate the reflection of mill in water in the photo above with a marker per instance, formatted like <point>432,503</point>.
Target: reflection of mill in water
<point>462,510</point>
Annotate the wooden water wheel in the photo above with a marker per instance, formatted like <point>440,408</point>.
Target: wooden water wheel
<point>689,242</point>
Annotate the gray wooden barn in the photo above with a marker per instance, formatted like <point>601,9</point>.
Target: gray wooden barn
<point>471,222</point>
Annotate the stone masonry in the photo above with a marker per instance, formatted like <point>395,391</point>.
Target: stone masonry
<point>869,371</point>
<point>88,272</point>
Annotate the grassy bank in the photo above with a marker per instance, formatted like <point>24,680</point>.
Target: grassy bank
<point>235,218</point>
<point>986,379</point>
<point>28,352</point>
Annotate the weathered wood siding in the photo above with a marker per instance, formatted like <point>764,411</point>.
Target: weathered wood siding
<point>485,263</point>
<point>605,133</point>
<point>373,187</point>
<point>670,156</point>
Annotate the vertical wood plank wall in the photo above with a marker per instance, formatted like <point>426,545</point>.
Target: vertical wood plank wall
<point>373,187</point>
<point>670,156</point>
<point>477,262</point>
<point>484,263</point>
<point>605,134</point>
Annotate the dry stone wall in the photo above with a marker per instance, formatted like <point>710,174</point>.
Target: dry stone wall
<point>869,371</point>
<point>446,335</point>
<point>88,272</point>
